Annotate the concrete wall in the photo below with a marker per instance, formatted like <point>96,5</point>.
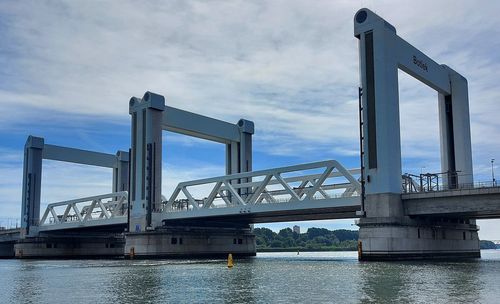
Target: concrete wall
<point>417,239</point>
<point>197,242</point>
<point>70,247</point>
<point>6,250</point>
<point>474,203</point>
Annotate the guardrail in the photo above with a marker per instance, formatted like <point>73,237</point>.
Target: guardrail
<point>444,187</point>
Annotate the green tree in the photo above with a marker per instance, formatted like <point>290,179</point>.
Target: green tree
<point>323,241</point>
<point>315,232</point>
<point>345,235</point>
<point>487,245</point>
<point>285,233</point>
<point>265,233</point>
<point>277,244</point>
<point>288,242</point>
<point>261,242</point>
<point>313,239</point>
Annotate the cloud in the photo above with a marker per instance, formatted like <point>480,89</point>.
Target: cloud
<point>293,71</point>
<point>291,67</point>
<point>488,229</point>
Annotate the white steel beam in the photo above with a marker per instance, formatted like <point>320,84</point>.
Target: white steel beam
<point>109,213</point>
<point>256,211</point>
<point>421,67</point>
<point>187,123</point>
<point>231,202</point>
<point>77,156</point>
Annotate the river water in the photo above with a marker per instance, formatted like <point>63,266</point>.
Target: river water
<point>311,277</point>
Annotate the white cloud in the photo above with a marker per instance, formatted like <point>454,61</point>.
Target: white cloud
<point>291,66</point>
<point>488,229</point>
<point>293,71</point>
<point>172,175</point>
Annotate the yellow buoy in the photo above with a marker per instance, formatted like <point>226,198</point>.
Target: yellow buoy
<point>230,263</point>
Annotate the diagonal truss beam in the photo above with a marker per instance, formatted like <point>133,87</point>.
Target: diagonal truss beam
<point>106,207</point>
<point>262,185</point>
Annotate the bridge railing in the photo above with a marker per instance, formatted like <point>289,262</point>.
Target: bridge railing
<point>87,209</point>
<point>436,183</point>
<point>7,223</point>
<point>313,181</point>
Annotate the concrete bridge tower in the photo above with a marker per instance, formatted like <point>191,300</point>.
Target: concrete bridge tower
<point>385,231</point>
<point>148,234</point>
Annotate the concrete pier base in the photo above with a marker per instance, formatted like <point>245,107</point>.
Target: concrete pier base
<point>70,247</point>
<point>8,237</point>
<point>409,239</point>
<point>186,242</point>
<point>7,250</point>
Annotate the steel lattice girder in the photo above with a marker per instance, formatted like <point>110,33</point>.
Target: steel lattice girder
<point>101,210</point>
<point>226,190</point>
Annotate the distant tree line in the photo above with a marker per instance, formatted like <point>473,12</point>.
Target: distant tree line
<point>487,245</point>
<point>315,239</point>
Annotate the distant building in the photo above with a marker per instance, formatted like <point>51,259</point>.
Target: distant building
<point>296,229</point>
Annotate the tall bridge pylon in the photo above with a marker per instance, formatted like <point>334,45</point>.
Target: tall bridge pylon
<point>36,150</point>
<point>384,226</point>
<point>150,116</point>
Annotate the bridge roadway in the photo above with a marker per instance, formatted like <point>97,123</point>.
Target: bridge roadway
<point>8,238</point>
<point>451,203</point>
<point>320,190</point>
<point>480,203</point>
<point>322,209</point>
<point>9,235</point>
<point>315,191</point>
<point>476,203</point>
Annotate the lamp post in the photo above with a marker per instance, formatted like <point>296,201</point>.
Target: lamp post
<point>493,172</point>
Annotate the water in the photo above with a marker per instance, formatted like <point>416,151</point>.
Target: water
<point>311,277</point>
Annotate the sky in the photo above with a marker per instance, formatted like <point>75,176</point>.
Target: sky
<point>69,68</point>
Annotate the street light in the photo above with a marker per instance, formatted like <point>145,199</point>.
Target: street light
<point>493,172</point>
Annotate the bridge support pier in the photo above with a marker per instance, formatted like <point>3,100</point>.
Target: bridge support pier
<point>190,241</point>
<point>386,234</point>
<point>70,246</point>
<point>7,250</point>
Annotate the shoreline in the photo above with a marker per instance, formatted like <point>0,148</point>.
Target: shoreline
<point>304,249</point>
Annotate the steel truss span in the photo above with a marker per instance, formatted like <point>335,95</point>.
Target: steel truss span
<point>101,210</point>
<point>317,190</point>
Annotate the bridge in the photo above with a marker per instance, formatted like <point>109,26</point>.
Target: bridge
<point>302,197</point>
<point>400,216</point>
<point>106,210</point>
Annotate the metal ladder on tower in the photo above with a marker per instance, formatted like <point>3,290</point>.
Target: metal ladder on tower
<point>361,149</point>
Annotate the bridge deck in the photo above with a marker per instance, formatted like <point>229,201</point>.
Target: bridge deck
<point>475,203</point>
<point>321,190</point>
<point>10,235</point>
<point>314,191</point>
<point>99,223</point>
<point>335,208</point>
